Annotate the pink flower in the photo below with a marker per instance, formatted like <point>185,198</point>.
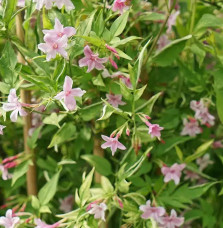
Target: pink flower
<point>68,94</point>
<point>115,100</point>
<point>5,174</point>
<point>52,47</point>
<point>40,224</point>
<point>151,212</point>
<point>173,172</point>
<point>59,31</point>
<point>113,143</point>
<point>196,105</point>
<point>1,129</point>
<point>205,117</point>
<point>154,129</point>
<point>14,105</point>
<point>217,144</point>
<point>21,3</point>
<point>120,5</point>
<point>92,60</point>
<point>189,175</point>
<point>126,81</point>
<point>67,3</point>
<point>201,112</point>
<point>9,221</point>
<point>191,128</point>
<point>171,221</point>
<point>172,21</point>
<point>47,3</point>
<point>66,204</point>
<point>162,42</point>
<point>204,162</point>
<point>98,211</point>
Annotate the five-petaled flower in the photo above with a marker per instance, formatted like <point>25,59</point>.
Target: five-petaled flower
<point>66,204</point>
<point>191,127</point>
<point>98,210</point>
<point>40,224</point>
<point>14,105</point>
<point>113,143</point>
<point>171,221</point>
<point>173,172</point>
<point>52,47</point>
<point>92,60</point>
<point>68,94</point>
<point>154,129</point>
<point>115,100</point>
<point>9,221</point>
<point>59,30</point>
<point>151,212</point>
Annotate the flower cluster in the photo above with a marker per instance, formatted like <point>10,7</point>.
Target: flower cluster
<point>202,114</point>
<point>48,4</point>
<point>157,213</point>
<point>56,40</point>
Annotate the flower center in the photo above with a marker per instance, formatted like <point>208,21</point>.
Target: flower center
<point>60,34</point>
<point>55,46</point>
<point>67,93</point>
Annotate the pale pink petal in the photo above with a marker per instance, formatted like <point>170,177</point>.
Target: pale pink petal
<point>68,83</point>
<point>14,115</point>
<point>60,95</point>
<point>69,31</point>
<point>78,92</point>
<point>87,51</point>
<point>70,102</point>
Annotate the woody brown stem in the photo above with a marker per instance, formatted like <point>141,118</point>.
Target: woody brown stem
<point>98,151</point>
<point>26,98</point>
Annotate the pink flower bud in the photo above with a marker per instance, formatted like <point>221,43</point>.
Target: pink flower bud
<point>111,49</point>
<point>127,131</point>
<point>10,165</point>
<point>9,159</point>
<point>113,63</point>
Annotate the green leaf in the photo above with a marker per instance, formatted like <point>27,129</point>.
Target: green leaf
<point>101,164</point>
<point>99,24</point>
<point>45,209</point>
<point>21,170</point>
<point>32,140</point>
<point>9,10</point>
<point>54,119</point>
<point>218,87</point>
<point>4,88</point>
<point>179,153</point>
<point>139,92</point>
<point>98,81</point>
<point>67,162</point>
<point>35,202</point>
<point>7,65</point>
<point>124,41</point>
<point>199,151</point>
<point>48,191</point>
<point>119,24</point>
<point>208,21</point>
<point>65,133</point>
<point>136,71</point>
<point>151,16</point>
<point>148,105</point>
<point>84,191</point>
<point>106,112</point>
<point>106,185</point>
<point>125,91</point>
<point>94,40</point>
<point>168,54</point>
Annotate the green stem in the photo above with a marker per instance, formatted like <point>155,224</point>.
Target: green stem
<point>160,32</point>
